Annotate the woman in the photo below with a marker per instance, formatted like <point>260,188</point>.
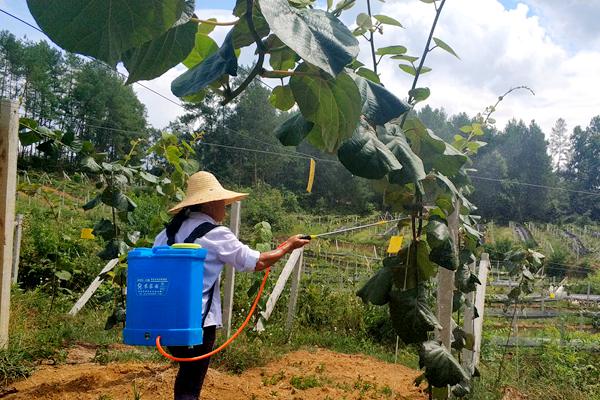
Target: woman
<point>196,220</point>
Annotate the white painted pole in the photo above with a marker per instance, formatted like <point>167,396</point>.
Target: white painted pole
<point>89,292</point>
<point>234,225</point>
<point>9,148</point>
<point>278,289</point>
<point>17,248</point>
<point>479,304</point>
<point>445,290</point>
<point>296,276</point>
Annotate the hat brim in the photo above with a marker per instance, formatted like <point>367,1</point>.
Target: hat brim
<point>228,196</point>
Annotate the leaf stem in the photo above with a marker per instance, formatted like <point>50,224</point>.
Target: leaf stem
<point>258,67</point>
<point>215,23</point>
<point>438,11</point>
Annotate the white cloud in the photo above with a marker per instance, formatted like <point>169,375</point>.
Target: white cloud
<point>499,49</point>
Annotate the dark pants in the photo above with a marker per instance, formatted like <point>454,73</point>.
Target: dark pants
<point>190,376</point>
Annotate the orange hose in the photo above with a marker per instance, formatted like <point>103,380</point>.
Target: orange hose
<point>228,342</point>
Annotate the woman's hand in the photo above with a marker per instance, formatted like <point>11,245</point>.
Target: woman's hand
<point>268,258</point>
<point>296,241</point>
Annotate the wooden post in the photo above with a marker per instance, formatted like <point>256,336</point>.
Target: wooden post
<point>278,289</point>
<point>17,248</point>
<point>9,148</point>
<point>87,295</point>
<point>296,275</point>
<point>234,225</point>
<point>475,326</point>
<point>445,291</point>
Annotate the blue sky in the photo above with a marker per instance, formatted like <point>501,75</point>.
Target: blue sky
<point>550,45</point>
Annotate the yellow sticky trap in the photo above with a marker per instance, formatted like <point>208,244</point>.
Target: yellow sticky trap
<point>552,295</point>
<point>395,244</point>
<point>311,176</point>
<point>86,233</point>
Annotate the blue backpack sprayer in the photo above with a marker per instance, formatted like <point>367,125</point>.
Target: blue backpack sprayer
<point>164,294</point>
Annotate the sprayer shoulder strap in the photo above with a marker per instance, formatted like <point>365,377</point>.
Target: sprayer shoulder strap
<point>197,233</point>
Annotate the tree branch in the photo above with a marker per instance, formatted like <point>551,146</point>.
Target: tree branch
<point>260,48</point>
<point>371,40</point>
<point>426,50</point>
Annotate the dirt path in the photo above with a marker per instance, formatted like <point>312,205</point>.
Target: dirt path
<point>317,374</point>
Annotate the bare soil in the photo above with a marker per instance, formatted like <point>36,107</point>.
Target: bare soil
<point>304,374</point>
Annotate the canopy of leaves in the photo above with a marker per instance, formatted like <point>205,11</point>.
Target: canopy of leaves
<point>105,29</point>
<point>315,35</point>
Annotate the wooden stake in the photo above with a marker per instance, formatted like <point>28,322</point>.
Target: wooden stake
<point>17,248</point>
<point>296,276</point>
<point>234,225</point>
<point>445,292</point>
<point>9,149</point>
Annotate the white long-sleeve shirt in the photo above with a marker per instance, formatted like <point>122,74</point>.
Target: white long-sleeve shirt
<point>223,248</point>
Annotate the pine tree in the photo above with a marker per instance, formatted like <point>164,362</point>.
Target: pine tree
<point>560,146</point>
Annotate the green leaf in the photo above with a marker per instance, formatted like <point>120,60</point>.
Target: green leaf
<point>384,19</point>
<point>465,280</point>
<point>443,45</point>
<point>379,105</point>
<point>293,130</point>
<point>317,36</point>
<point>368,74</point>
<point>365,155</point>
<point>409,69</point>
<point>391,50</point>
<point>344,5</point>
<point>441,243</point>
<point>441,368</point>
<point>282,98</point>
<point>412,166</point>
<point>113,197</point>
<point>157,56</point>
<point>427,269</point>
<point>204,47</point>
<point>91,164</point>
<point>242,36</point>
<point>92,203</point>
<point>377,289</point>
<point>105,229</point>
<point>462,339</point>
<point>105,29</point>
<point>435,153</point>
<point>211,69</point>
<point>419,94</point>
<point>411,317</point>
<point>410,59</point>
<point>148,177</point>
<point>113,249</point>
<point>281,57</point>
<point>425,70</point>
<point>332,104</point>
<point>63,275</point>
<point>364,21</point>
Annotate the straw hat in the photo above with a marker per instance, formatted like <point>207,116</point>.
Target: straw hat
<point>203,187</point>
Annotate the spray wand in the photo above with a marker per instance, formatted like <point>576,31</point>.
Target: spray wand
<point>162,351</point>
